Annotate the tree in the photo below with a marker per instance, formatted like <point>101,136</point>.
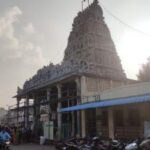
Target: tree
<point>144,72</point>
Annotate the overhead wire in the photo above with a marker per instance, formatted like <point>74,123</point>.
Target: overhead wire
<point>122,22</point>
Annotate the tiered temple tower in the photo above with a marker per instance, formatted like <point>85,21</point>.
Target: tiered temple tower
<point>90,51</point>
<point>90,66</point>
<point>90,45</point>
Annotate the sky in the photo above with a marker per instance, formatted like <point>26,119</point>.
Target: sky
<point>34,33</point>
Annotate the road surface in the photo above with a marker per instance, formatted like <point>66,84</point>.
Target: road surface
<point>31,147</point>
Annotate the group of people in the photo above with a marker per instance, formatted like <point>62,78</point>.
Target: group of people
<point>21,135</point>
<point>15,135</point>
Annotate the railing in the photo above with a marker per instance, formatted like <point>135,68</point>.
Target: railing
<point>91,98</point>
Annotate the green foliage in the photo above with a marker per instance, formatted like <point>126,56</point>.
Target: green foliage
<point>144,72</point>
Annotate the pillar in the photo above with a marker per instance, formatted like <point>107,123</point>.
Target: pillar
<point>83,115</point>
<point>48,100</point>
<point>26,112</point>
<point>111,123</point>
<point>125,121</point>
<point>49,110</point>
<point>59,117</point>
<point>78,85</point>
<point>36,115</point>
<point>18,105</point>
<point>73,122</point>
<point>125,116</point>
<point>83,123</point>
<point>83,88</point>
<point>98,121</point>
<point>144,118</point>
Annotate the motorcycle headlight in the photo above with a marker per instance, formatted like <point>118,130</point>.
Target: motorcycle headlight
<point>8,142</point>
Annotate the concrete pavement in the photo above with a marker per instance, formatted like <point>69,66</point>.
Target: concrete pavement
<point>32,147</point>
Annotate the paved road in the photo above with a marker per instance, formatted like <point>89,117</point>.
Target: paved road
<point>32,147</point>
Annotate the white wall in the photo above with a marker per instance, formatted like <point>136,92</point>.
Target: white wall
<point>92,87</point>
<point>127,90</point>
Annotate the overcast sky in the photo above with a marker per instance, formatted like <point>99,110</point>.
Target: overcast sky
<point>34,33</point>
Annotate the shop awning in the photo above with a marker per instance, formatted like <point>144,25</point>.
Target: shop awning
<point>108,103</point>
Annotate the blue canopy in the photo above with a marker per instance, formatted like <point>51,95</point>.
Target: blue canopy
<point>108,103</point>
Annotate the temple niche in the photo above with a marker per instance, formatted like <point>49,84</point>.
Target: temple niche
<point>90,50</point>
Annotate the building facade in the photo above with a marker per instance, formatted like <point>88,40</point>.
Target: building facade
<point>122,112</point>
<point>17,116</point>
<point>90,66</point>
<point>3,113</point>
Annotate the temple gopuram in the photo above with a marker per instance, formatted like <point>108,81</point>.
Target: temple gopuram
<point>90,66</point>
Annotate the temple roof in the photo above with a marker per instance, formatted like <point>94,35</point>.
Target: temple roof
<point>90,50</point>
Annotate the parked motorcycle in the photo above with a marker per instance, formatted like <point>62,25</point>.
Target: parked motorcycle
<point>116,145</point>
<point>96,143</point>
<point>60,145</point>
<point>145,145</point>
<point>135,145</point>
